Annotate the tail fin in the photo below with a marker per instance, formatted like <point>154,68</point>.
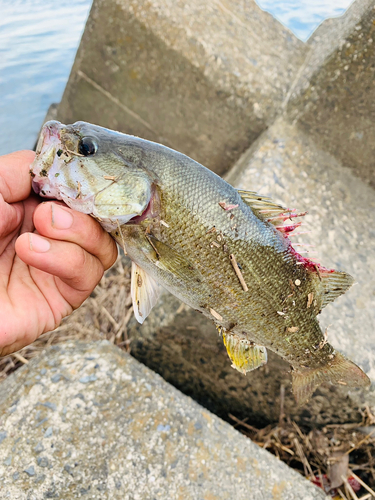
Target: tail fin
<point>339,371</point>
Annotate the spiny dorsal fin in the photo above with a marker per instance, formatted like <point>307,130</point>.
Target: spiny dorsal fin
<point>145,292</point>
<point>334,284</point>
<point>267,210</point>
<point>245,355</point>
<point>262,206</point>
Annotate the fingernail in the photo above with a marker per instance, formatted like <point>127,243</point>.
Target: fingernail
<point>61,218</point>
<point>38,244</point>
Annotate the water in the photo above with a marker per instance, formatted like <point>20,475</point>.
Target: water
<point>39,39</point>
<point>38,42</point>
<point>304,16</point>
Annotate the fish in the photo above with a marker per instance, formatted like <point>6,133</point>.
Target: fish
<point>224,252</point>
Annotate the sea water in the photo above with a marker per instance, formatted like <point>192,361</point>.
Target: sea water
<point>39,39</point>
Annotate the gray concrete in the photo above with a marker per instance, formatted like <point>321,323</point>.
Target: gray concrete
<point>333,99</point>
<point>205,78</point>
<point>88,421</point>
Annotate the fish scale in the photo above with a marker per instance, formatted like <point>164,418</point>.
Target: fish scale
<point>224,252</point>
<point>191,239</point>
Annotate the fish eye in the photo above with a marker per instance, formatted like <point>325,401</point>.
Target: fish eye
<point>87,146</point>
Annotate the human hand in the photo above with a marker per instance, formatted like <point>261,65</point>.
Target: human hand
<point>51,257</point>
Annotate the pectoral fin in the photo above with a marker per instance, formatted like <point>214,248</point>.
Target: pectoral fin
<point>244,355</point>
<point>145,292</point>
<point>171,261</point>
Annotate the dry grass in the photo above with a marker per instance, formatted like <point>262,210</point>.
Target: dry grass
<point>338,458</point>
<point>342,455</point>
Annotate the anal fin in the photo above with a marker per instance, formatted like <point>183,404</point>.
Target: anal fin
<point>145,292</point>
<point>245,355</point>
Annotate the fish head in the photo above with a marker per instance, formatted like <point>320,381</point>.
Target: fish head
<point>93,170</point>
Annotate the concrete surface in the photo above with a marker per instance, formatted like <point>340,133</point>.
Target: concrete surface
<point>205,78</point>
<point>334,98</point>
<point>88,421</point>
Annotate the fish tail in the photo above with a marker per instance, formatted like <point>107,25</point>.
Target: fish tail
<point>339,371</point>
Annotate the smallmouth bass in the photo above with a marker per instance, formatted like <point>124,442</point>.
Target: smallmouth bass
<point>224,252</point>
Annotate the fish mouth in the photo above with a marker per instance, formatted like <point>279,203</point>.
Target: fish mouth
<point>36,187</point>
<point>46,159</point>
<point>50,133</point>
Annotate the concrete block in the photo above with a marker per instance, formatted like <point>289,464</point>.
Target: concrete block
<point>333,100</point>
<point>205,78</point>
<point>88,421</point>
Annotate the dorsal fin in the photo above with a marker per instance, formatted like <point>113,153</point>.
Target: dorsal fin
<point>335,283</point>
<point>262,206</point>
<point>267,210</point>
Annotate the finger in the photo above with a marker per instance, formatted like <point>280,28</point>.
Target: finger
<point>15,179</point>
<point>10,219</point>
<point>59,222</point>
<point>21,213</point>
<point>78,271</point>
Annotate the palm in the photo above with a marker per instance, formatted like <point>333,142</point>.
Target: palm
<point>39,288</point>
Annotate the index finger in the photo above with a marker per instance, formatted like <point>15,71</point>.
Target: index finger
<point>15,179</point>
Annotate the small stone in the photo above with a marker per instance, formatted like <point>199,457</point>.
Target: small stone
<point>163,428</point>
<point>30,471</point>
<point>38,448</point>
<point>48,432</point>
<point>15,476</point>
<point>40,478</point>
<point>3,435</point>
<point>42,461</point>
<point>69,469</point>
<point>43,371</point>
<point>297,282</point>
<point>88,378</point>
<point>56,378</point>
<point>8,461</point>
<point>49,405</point>
<point>41,422</point>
